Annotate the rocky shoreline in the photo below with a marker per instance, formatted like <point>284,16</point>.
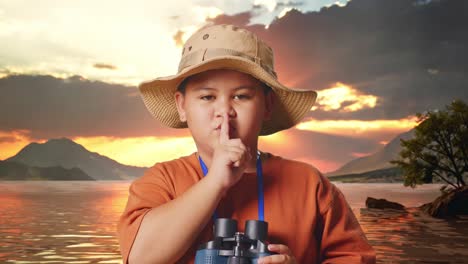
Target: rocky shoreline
<point>449,205</point>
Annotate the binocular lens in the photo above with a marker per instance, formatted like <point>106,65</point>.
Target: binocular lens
<point>225,227</point>
<point>256,230</point>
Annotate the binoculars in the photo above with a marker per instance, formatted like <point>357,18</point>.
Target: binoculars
<point>232,247</point>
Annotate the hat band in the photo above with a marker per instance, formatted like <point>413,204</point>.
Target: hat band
<point>206,54</point>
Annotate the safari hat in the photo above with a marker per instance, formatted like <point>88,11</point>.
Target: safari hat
<point>227,47</point>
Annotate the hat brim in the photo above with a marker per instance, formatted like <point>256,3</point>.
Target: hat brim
<point>290,105</point>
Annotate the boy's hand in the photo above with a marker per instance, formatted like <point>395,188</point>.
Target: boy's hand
<point>230,158</point>
<point>284,255</point>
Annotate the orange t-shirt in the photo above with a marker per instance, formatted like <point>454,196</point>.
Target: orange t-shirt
<point>303,209</point>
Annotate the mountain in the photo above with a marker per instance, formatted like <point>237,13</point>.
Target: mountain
<point>66,153</point>
<point>376,161</point>
<point>14,171</point>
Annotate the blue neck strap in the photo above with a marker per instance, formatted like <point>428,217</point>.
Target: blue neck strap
<point>261,209</point>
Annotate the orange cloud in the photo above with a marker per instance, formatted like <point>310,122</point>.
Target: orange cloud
<point>12,142</point>
<point>284,144</point>
<point>141,151</point>
<point>323,166</point>
<point>360,128</point>
<point>344,98</point>
<point>273,141</point>
<point>178,38</point>
<point>181,36</point>
<point>360,154</point>
<point>145,151</point>
<point>384,142</point>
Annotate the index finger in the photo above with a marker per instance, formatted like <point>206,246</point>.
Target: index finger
<point>224,131</point>
<point>279,248</point>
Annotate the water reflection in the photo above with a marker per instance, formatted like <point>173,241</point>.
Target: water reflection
<point>63,222</point>
<point>60,222</point>
<point>414,237</point>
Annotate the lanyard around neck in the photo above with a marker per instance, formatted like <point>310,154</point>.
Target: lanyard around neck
<point>261,210</point>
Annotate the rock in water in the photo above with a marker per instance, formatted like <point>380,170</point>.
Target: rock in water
<point>449,204</point>
<point>382,204</point>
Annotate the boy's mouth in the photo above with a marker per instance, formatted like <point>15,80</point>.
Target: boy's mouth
<point>232,130</point>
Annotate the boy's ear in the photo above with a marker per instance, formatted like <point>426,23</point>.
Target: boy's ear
<point>269,104</point>
<point>179,100</point>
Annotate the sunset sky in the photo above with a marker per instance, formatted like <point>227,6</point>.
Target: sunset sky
<point>70,69</point>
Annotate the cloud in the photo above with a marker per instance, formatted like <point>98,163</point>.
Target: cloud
<point>360,154</point>
<point>112,119</point>
<point>392,58</point>
<point>183,34</point>
<point>178,38</point>
<point>66,38</point>
<point>12,136</point>
<point>51,107</point>
<point>104,66</point>
<point>325,151</point>
<point>269,4</point>
<point>12,141</point>
<point>378,130</point>
<point>403,56</point>
<point>343,98</point>
<point>139,151</point>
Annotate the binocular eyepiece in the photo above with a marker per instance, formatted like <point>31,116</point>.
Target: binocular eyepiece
<point>254,229</point>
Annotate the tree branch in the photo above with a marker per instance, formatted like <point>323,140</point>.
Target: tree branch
<point>444,179</point>
<point>451,157</point>
<point>443,143</point>
<point>440,165</point>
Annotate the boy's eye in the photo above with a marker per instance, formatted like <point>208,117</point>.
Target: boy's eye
<point>241,96</point>
<point>207,97</point>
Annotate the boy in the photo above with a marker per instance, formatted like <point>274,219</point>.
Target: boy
<point>227,93</point>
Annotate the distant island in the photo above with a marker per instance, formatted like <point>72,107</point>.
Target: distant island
<point>64,159</point>
<point>388,175</point>
<point>14,171</point>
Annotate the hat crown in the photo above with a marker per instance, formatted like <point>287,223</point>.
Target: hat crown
<point>226,40</point>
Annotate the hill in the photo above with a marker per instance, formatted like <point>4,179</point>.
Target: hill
<point>67,154</point>
<point>14,171</point>
<point>377,161</point>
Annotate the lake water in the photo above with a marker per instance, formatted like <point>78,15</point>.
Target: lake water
<point>75,222</point>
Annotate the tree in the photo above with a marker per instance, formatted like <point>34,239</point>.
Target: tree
<point>439,148</point>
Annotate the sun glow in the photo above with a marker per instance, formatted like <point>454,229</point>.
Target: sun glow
<point>141,151</point>
<point>358,128</point>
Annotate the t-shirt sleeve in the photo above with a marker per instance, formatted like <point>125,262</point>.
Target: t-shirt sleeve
<point>341,236</point>
<point>146,192</point>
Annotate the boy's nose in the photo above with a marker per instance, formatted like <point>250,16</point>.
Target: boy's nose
<point>225,107</point>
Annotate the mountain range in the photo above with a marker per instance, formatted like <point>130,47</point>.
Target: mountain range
<point>64,159</point>
<point>68,155</point>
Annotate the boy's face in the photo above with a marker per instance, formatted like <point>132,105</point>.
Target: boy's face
<point>210,95</point>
